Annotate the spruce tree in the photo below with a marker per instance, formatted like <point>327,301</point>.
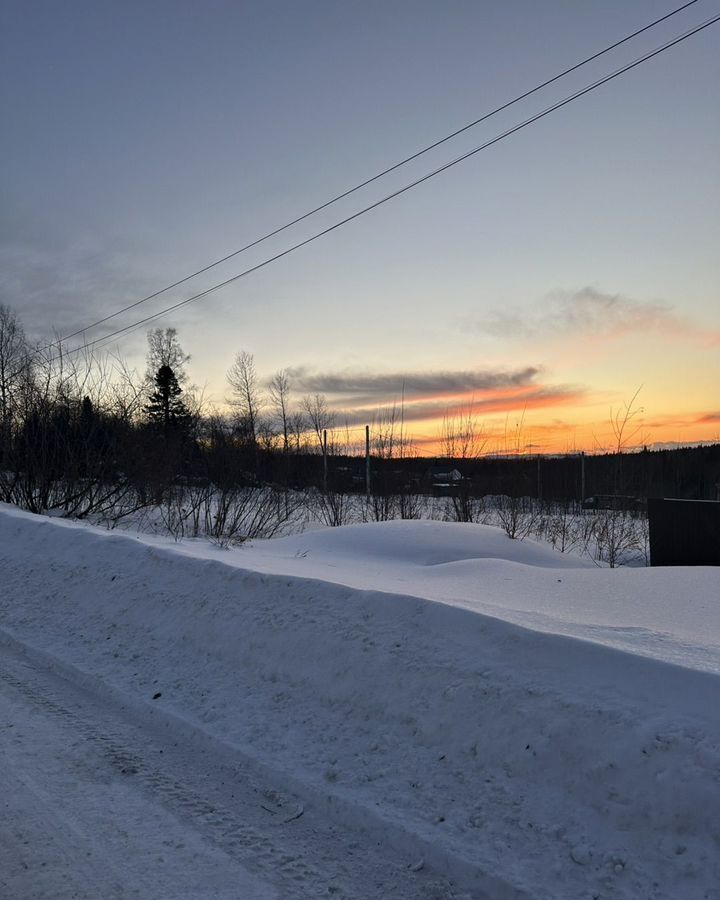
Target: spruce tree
<point>166,409</point>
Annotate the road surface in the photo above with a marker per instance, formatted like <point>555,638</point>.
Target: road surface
<point>101,801</point>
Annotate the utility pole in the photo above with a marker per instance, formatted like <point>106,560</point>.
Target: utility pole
<point>325,460</point>
<point>367,461</point>
<point>582,476</point>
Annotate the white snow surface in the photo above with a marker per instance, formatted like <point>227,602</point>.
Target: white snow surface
<point>509,720</point>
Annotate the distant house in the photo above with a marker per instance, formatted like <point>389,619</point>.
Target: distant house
<point>444,480</point>
<point>440,474</point>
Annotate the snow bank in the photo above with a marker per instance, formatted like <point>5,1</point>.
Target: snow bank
<point>669,614</point>
<point>533,763</point>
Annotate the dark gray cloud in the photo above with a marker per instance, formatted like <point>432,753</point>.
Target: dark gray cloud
<point>364,388</point>
<point>56,289</point>
<point>589,311</point>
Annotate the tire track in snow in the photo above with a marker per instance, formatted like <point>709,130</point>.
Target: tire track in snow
<point>302,859</point>
<point>223,827</point>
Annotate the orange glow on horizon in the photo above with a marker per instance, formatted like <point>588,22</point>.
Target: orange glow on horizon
<point>526,437</point>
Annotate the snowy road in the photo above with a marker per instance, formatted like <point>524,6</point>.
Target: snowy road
<point>100,804</point>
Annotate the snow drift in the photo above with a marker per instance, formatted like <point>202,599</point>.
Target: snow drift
<point>535,726</point>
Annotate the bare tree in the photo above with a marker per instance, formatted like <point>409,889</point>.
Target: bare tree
<point>332,507</point>
<point>616,537</point>
<point>319,416</point>
<point>386,432</point>
<point>14,362</point>
<point>280,402</point>
<point>515,441</point>
<point>463,438</point>
<point>126,392</point>
<point>518,516</point>
<point>15,383</point>
<point>246,397</point>
<point>164,350</point>
<point>462,435</point>
<point>622,422</point>
<point>298,426</point>
<point>391,493</point>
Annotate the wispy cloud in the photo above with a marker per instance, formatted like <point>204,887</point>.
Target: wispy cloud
<point>371,387</point>
<point>710,418</point>
<point>689,419</point>
<point>431,395</point>
<point>589,311</point>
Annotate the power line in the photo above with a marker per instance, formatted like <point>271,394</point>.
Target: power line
<point>376,177</point>
<point>524,124</point>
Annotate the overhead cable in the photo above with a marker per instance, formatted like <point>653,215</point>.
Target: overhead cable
<point>402,190</point>
<point>379,175</point>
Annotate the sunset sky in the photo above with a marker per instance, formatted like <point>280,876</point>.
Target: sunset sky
<point>543,280</point>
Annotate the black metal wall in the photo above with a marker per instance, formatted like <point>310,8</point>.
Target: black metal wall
<point>684,532</point>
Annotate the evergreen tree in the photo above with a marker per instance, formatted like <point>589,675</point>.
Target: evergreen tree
<point>166,409</point>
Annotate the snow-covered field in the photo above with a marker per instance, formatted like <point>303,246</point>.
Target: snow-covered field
<point>405,709</point>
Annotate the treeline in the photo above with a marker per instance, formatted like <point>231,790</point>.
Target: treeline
<point>89,436</point>
<point>85,435</point>
<point>690,473</point>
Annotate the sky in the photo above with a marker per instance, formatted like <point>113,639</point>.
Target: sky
<point>542,282</point>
